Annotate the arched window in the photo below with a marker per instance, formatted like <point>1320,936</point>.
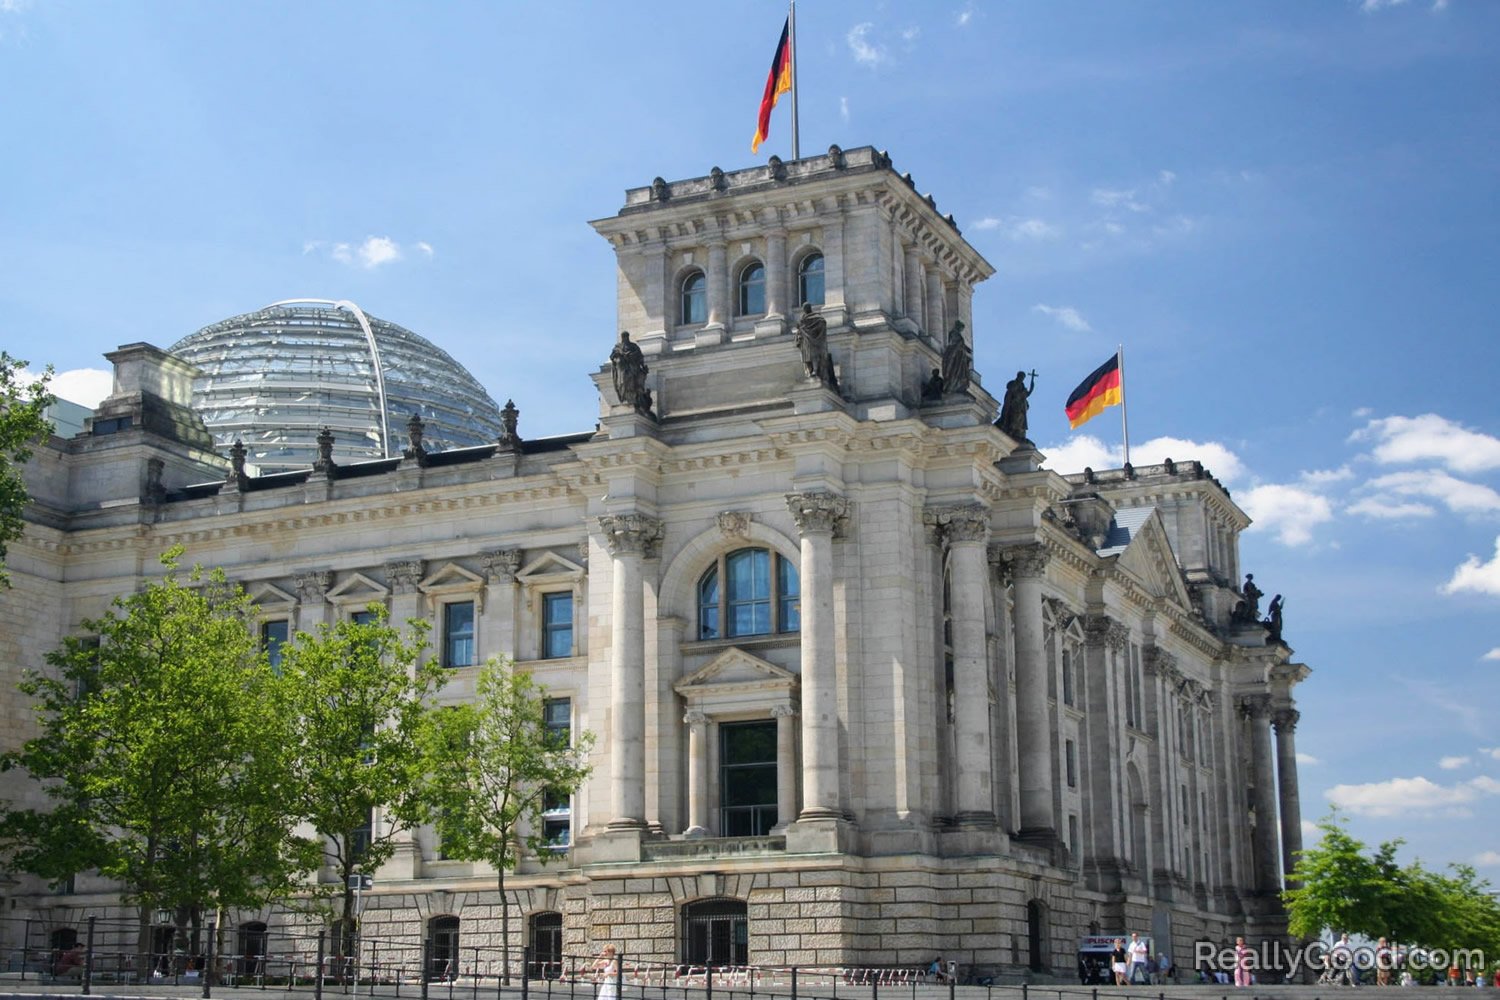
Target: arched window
<point>752,286</point>
<point>740,595</point>
<point>694,306</point>
<point>810,280</point>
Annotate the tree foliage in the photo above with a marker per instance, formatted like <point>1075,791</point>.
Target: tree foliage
<point>1341,885</point>
<point>359,697</point>
<point>495,764</point>
<point>163,761</point>
<point>22,425</point>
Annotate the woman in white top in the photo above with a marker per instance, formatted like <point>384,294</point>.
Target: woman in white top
<point>606,971</point>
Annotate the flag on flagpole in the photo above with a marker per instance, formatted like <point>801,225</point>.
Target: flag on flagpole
<point>1101,389</point>
<point>778,83</point>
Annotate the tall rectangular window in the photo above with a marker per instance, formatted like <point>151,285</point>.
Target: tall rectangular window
<point>1071,754</point>
<point>557,809</point>
<point>557,625</point>
<point>458,634</point>
<point>1067,677</point>
<point>363,618</point>
<point>747,778</point>
<point>360,837</point>
<point>273,635</point>
<point>1073,836</point>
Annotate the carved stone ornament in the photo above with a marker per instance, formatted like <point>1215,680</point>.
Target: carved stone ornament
<point>1285,720</point>
<point>509,418</point>
<point>1062,615</point>
<point>404,575</point>
<point>325,465</point>
<point>818,512</point>
<point>1027,560</point>
<point>1255,706</point>
<point>695,718</point>
<point>1104,629</point>
<point>1158,661</point>
<point>783,711</point>
<point>734,523</point>
<point>156,490</point>
<point>630,534</point>
<point>415,451</point>
<point>237,477</point>
<point>311,587</point>
<point>500,565</point>
<point>965,523</point>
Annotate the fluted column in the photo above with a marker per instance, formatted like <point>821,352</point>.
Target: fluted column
<point>697,724</point>
<point>1285,721</point>
<point>966,531</point>
<point>776,276</point>
<point>914,286</point>
<point>718,284</point>
<point>786,764</point>
<point>817,514</point>
<point>1033,732</point>
<point>936,304</point>
<point>628,536</point>
<point>1258,709</point>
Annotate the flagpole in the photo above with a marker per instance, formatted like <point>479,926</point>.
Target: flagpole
<point>792,41</point>
<point>1124,423</point>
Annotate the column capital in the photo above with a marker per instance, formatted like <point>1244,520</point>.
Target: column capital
<point>500,565</point>
<point>960,523</point>
<point>630,534</point>
<point>818,512</point>
<point>694,717</point>
<point>1285,720</point>
<point>1255,706</point>
<point>1104,629</point>
<point>404,575</point>
<point>1158,661</point>
<point>311,587</point>
<point>1026,560</point>
<point>783,711</point>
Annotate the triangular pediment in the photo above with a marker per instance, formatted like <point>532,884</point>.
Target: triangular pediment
<point>451,577</point>
<point>1150,560</point>
<point>358,589</point>
<point>549,566</point>
<point>737,669</point>
<point>269,597</point>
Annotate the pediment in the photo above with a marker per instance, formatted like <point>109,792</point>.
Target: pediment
<point>451,577</point>
<point>1150,560</point>
<point>735,669</point>
<point>550,566</point>
<point>358,589</point>
<point>269,597</point>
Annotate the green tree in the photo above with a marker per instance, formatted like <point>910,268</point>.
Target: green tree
<point>495,765</point>
<point>360,697</point>
<point>22,425</point>
<point>160,755</point>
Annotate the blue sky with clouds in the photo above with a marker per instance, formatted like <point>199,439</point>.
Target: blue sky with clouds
<point>1286,211</point>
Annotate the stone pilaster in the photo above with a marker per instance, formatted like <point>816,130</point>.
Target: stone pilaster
<point>312,600</point>
<point>776,275</point>
<point>1285,721</point>
<point>697,724</point>
<point>1033,733</point>
<point>403,576</point>
<point>628,537</point>
<point>965,530</point>
<point>718,286</point>
<point>498,635</point>
<point>786,765</point>
<point>817,516</point>
<point>914,287</point>
<point>1257,708</point>
<point>1108,826</point>
<point>936,304</point>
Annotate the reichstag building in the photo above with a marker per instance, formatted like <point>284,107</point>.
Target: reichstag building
<point>869,682</point>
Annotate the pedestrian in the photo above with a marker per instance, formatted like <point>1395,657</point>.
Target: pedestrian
<point>1241,962</point>
<point>1140,952</point>
<point>1117,961</point>
<point>606,972</point>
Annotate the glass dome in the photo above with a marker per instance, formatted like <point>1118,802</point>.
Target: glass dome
<point>276,377</point>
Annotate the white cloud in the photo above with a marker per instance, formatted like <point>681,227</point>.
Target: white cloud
<point>1066,315</point>
<point>425,248</point>
<point>1082,451</point>
<point>911,34</point>
<point>963,17</point>
<point>1387,510</point>
<point>1486,859</point>
<point>864,52</point>
<point>1493,654</point>
<point>1307,760</point>
<point>1312,833</point>
<point>1034,229</point>
<point>1418,795</point>
<point>1430,437</point>
<point>84,386</point>
<point>1323,477</point>
<point>1491,752</point>
<point>1369,6</point>
<point>372,253</point>
<point>1458,495</point>
<point>377,250</point>
<point>1086,451</point>
<point>844,109</point>
<point>1166,178</point>
<point>1112,198</point>
<point>1291,511</point>
<point>1454,763</point>
<point>340,253</point>
<point>989,222</point>
<point>1473,575</point>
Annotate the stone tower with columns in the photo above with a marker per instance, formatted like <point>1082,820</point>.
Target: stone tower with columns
<point>868,680</point>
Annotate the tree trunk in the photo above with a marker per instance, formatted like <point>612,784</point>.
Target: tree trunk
<point>143,945</point>
<point>505,931</point>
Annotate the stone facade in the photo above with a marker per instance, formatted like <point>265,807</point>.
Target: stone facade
<point>1004,707</point>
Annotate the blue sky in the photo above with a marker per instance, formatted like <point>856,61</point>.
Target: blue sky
<point>1286,212</point>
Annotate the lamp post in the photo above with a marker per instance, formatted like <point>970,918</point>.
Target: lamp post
<point>360,883</point>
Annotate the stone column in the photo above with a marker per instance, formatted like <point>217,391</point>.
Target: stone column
<point>966,310</point>
<point>312,600</point>
<point>628,536</point>
<point>1285,721</point>
<point>1033,734</point>
<point>497,636</point>
<point>718,284</point>
<point>1104,643</point>
<point>403,577</point>
<point>776,274</point>
<point>914,282</point>
<point>786,765</point>
<point>966,531</point>
<point>1257,708</point>
<point>817,514</point>
<point>697,724</point>
<point>936,304</point>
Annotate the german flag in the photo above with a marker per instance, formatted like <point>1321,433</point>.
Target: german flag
<point>1101,389</point>
<point>778,83</point>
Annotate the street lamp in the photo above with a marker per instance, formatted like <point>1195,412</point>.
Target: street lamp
<point>359,883</point>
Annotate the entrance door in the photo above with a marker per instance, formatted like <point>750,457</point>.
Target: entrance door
<point>546,946</point>
<point>443,957</point>
<point>715,932</point>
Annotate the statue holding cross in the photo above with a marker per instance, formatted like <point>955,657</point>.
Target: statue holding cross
<point>1014,406</point>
